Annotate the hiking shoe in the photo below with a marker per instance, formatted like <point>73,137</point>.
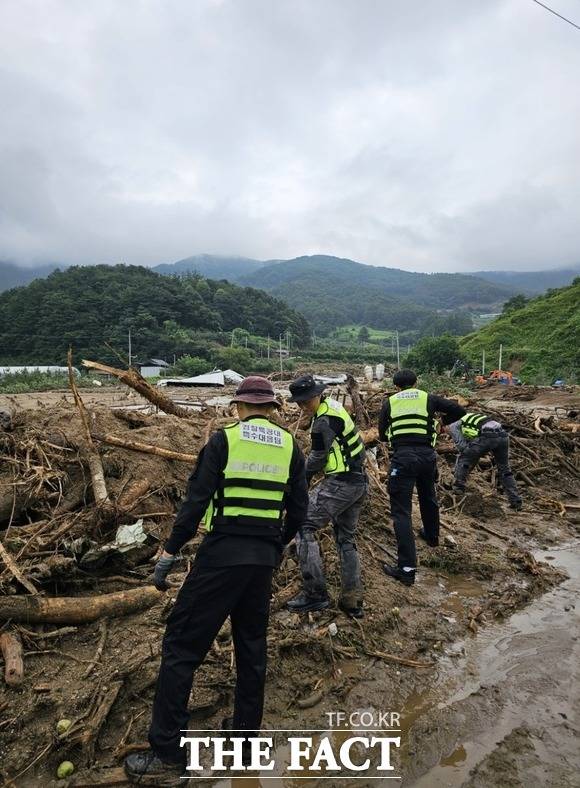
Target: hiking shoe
<point>307,604</point>
<point>407,578</point>
<point>430,542</point>
<point>302,603</point>
<point>517,505</point>
<point>149,764</point>
<point>354,612</point>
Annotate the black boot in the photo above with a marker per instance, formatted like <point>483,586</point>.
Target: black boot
<point>354,612</point>
<point>516,504</point>
<point>227,724</point>
<point>430,542</point>
<point>407,578</point>
<point>146,764</point>
<point>302,603</point>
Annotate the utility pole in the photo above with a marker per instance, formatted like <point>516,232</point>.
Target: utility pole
<point>280,339</point>
<point>500,355</point>
<point>398,352</point>
<point>130,355</point>
<point>392,346</point>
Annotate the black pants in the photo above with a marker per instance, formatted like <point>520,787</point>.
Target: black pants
<point>208,596</point>
<point>410,466</point>
<point>496,443</point>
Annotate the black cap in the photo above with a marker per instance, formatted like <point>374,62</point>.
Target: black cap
<point>305,388</point>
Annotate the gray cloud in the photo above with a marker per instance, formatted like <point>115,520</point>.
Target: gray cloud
<point>428,136</point>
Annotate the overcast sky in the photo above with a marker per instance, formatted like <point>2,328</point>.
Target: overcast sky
<point>419,134</point>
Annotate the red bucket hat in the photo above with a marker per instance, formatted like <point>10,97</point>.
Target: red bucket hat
<point>256,391</point>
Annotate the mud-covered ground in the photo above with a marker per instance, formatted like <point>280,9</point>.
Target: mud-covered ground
<point>419,651</point>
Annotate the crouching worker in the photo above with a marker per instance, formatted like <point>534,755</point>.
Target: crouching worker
<point>338,450</point>
<point>247,476</point>
<point>476,435</point>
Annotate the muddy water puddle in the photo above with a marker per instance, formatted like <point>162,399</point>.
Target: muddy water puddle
<point>528,665</point>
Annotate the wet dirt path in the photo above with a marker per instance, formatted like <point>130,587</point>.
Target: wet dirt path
<point>511,718</point>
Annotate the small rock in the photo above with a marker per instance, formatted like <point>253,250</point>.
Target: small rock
<point>449,540</point>
<point>332,629</point>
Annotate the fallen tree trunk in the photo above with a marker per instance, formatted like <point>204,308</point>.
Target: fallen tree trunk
<point>133,379</point>
<point>11,648</point>
<point>112,440</point>
<point>77,610</point>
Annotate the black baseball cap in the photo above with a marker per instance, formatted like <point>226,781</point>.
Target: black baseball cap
<point>305,388</point>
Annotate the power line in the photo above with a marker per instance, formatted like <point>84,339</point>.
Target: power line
<point>551,10</point>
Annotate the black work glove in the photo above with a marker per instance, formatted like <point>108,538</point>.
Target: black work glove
<point>162,569</point>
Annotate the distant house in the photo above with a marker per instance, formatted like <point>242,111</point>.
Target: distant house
<point>152,367</point>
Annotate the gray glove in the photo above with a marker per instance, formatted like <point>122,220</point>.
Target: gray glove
<point>162,569</point>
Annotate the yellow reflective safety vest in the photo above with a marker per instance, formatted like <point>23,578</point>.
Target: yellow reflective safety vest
<point>410,416</point>
<point>254,483</point>
<point>472,423</point>
<point>347,444</point>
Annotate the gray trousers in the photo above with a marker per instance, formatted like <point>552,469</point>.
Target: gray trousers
<point>339,502</point>
<point>497,444</point>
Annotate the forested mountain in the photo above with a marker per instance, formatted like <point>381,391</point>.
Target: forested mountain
<point>92,305</point>
<point>530,282</point>
<point>14,276</point>
<point>541,338</point>
<point>234,269</point>
<point>437,291</point>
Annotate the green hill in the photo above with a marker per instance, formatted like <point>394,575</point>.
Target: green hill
<point>435,291</point>
<point>89,306</point>
<point>531,282</point>
<point>234,269</point>
<point>541,340</point>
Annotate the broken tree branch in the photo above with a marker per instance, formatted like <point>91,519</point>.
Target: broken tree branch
<point>134,380</point>
<point>13,568</point>
<point>94,458</point>
<point>112,440</point>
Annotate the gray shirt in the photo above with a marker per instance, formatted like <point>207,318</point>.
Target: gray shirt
<point>459,439</point>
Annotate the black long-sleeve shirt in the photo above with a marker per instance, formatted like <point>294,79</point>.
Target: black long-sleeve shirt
<point>449,409</point>
<point>225,549</point>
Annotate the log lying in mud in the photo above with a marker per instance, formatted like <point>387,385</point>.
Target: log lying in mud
<point>77,610</point>
<point>11,648</point>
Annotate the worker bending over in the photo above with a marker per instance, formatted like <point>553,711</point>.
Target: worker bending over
<point>407,423</point>
<point>246,477</point>
<point>476,435</point>
<point>338,451</point>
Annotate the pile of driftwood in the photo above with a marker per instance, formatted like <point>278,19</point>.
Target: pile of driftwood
<point>71,477</point>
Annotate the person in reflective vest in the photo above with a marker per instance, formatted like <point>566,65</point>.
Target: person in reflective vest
<point>407,423</point>
<point>249,488</point>
<point>476,435</point>
<point>338,452</point>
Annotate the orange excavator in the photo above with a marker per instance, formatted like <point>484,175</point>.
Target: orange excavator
<point>497,376</point>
